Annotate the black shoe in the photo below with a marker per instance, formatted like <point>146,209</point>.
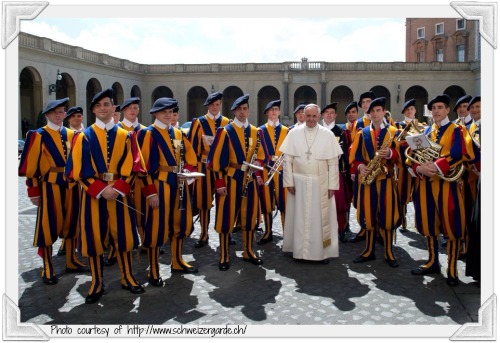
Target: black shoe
<point>232,241</point>
<point>185,270</point>
<point>425,271</point>
<point>298,260</point>
<point>325,261</point>
<point>162,252</point>
<point>361,259</point>
<point>92,298</point>
<point>357,238</point>
<point>403,230</point>
<point>236,229</point>
<point>443,241</point>
<point>50,281</point>
<point>452,281</point>
<point>392,263</point>
<point>78,269</point>
<point>61,252</point>
<point>254,260</point>
<point>343,237</point>
<point>134,289</point>
<point>223,266</point>
<point>258,228</point>
<point>265,240</point>
<point>110,261</point>
<point>200,244</point>
<point>156,282</point>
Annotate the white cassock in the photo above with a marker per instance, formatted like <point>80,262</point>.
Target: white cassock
<point>312,167</point>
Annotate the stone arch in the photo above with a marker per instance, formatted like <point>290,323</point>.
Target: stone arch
<point>118,96</point>
<point>135,91</point>
<point>381,91</point>
<point>30,97</point>
<point>196,96</point>
<point>454,92</point>
<point>421,97</point>
<point>231,93</point>
<point>343,95</point>
<point>264,96</point>
<point>161,92</point>
<point>304,95</point>
<point>66,88</point>
<point>93,87</point>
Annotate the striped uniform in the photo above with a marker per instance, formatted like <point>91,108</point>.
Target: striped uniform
<point>405,181</point>
<point>95,152</point>
<point>204,186</point>
<point>162,154</point>
<point>377,203</point>
<point>42,162</point>
<point>138,201</point>
<point>273,195</point>
<point>232,146</point>
<point>439,204</point>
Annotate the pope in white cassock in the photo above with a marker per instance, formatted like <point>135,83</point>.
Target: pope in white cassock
<point>311,174</point>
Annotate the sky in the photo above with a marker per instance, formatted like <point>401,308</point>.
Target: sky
<point>230,40</point>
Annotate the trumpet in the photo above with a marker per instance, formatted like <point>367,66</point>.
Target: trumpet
<point>274,169</point>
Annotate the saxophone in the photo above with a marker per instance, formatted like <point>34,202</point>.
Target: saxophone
<point>251,165</point>
<point>375,165</point>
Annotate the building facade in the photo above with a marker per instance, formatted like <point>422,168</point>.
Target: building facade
<point>50,70</point>
<point>442,40</point>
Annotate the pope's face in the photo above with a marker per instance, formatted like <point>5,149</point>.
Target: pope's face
<point>312,116</point>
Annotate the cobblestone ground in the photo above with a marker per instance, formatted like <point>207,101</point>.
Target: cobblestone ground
<point>279,292</point>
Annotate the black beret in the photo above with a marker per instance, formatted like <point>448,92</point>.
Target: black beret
<point>176,109</point>
<point>107,93</point>
<point>213,97</point>
<point>240,101</point>
<point>299,107</point>
<point>163,104</point>
<point>377,102</point>
<point>53,104</point>
<point>332,105</point>
<point>350,105</point>
<point>465,99</point>
<point>407,104</point>
<point>440,98</point>
<point>73,110</point>
<point>117,108</point>
<point>365,95</point>
<point>271,104</point>
<point>473,101</point>
<point>129,101</point>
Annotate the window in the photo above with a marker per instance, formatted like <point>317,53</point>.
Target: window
<point>440,29</point>
<point>460,24</point>
<point>439,55</point>
<point>461,53</point>
<point>420,56</point>
<point>421,33</point>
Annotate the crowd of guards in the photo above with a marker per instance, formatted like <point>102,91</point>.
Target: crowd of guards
<point>117,186</point>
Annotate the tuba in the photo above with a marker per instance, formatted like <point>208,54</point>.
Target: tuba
<point>274,169</point>
<point>431,154</point>
<point>375,164</point>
